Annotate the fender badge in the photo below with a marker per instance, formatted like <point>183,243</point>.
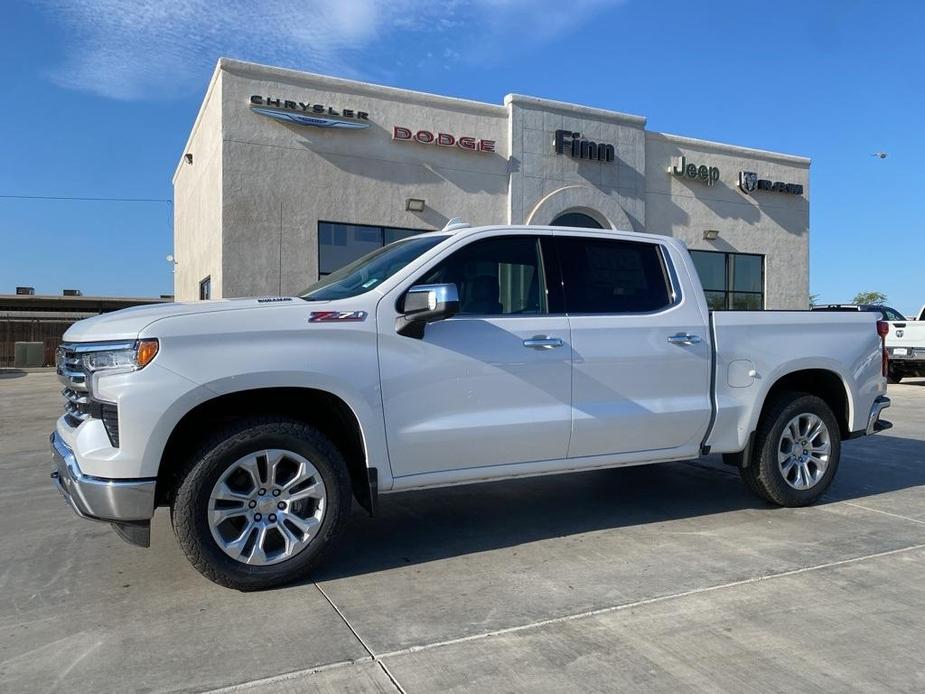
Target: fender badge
<point>332,316</point>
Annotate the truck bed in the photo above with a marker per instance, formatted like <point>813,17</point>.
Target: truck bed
<point>751,350</point>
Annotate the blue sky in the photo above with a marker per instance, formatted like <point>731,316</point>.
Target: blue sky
<point>100,96</point>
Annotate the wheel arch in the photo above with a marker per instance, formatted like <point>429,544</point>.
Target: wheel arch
<point>326,411</point>
<point>825,384</point>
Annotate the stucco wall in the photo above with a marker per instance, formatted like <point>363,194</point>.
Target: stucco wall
<point>545,184</point>
<point>197,228</point>
<point>247,210</point>
<point>280,180</point>
<point>773,224</point>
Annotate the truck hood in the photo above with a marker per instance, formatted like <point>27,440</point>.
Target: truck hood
<point>127,323</point>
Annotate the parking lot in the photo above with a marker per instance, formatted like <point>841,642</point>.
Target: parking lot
<point>664,578</point>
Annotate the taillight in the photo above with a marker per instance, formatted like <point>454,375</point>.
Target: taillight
<point>883,329</point>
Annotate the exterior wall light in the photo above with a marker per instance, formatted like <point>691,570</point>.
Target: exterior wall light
<point>710,235</point>
<point>189,157</point>
<point>414,205</point>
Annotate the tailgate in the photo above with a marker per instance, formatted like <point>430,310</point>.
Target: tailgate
<point>908,336</point>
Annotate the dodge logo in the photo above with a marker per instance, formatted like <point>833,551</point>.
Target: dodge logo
<point>900,332</point>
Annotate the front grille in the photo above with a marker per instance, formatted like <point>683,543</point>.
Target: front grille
<point>78,406</point>
<point>69,365</point>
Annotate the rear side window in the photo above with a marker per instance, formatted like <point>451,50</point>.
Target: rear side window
<point>891,314</point>
<point>612,276</point>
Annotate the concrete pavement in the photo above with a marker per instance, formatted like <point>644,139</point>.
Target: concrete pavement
<point>661,578</point>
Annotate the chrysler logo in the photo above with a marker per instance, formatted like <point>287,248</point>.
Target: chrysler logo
<point>307,113</point>
<point>305,119</point>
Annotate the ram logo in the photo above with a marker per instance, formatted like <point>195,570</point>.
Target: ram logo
<point>900,332</point>
<point>748,181</point>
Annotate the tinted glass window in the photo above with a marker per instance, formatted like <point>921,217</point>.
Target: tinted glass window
<point>341,244</point>
<point>747,273</point>
<point>892,314</point>
<point>731,280</point>
<point>371,270</point>
<point>500,276</point>
<point>604,276</point>
<point>576,219</point>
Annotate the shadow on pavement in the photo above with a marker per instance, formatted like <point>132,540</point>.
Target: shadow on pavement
<point>428,525</point>
<point>11,373</point>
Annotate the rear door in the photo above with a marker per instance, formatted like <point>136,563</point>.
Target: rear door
<point>641,364</point>
<point>490,386</point>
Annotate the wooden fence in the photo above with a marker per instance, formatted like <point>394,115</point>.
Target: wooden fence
<point>34,326</point>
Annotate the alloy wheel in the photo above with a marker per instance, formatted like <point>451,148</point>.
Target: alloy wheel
<point>803,451</point>
<point>266,507</point>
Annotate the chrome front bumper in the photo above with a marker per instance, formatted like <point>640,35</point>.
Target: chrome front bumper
<point>127,504</point>
<point>874,423</point>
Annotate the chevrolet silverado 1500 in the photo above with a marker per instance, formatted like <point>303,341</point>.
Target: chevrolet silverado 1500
<point>458,356</point>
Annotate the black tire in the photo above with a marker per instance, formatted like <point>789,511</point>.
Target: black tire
<point>894,376</point>
<point>190,509</point>
<point>763,475</point>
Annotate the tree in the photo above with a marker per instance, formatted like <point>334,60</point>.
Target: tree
<point>813,299</point>
<point>869,298</point>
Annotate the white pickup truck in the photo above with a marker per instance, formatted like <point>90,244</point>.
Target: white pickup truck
<point>905,339</point>
<point>458,356</point>
<point>906,345</point>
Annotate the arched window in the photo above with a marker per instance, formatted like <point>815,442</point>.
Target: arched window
<point>576,219</point>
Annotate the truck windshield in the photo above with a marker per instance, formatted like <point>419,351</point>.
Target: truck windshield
<point>371,270</point>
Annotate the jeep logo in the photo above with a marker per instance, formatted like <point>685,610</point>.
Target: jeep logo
<point>702,173</point>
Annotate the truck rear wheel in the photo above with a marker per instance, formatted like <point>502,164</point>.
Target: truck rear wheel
<point>797,450</point>
<point>261,502</point>
<point>894,376</point>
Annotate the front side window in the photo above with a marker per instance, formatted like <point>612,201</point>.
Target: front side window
<point>612,276</point>
<point>495,277</point>
<point>371,270</point>
<point>731,281</point>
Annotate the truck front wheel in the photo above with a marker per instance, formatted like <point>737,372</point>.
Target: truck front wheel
<point>797,449</point>
<point>261,502</point>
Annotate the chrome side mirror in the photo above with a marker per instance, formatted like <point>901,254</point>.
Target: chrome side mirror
<point>426,303</point>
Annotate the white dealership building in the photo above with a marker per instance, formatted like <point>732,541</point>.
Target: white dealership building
<point>287,176</point>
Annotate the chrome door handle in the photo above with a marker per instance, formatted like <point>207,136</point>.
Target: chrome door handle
<point>684,339</point>
<point>543,342</point>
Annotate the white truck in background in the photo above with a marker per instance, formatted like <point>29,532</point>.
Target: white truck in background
<point>906,344</point>
<point>457,356</point>
<point>905,339</point>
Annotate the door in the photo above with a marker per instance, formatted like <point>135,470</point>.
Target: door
<point>641,376</point>
<point>489,386</point>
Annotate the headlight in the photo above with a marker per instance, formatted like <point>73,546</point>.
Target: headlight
<point>130,357</point>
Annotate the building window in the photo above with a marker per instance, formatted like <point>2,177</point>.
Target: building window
<point>731,281</point>
<point>205,289</point>
<point>576,219</point>
<point>341,244</point>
